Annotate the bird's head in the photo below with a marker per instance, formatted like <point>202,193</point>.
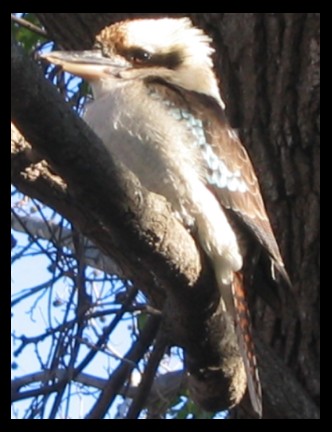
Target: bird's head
<point>168,49</point>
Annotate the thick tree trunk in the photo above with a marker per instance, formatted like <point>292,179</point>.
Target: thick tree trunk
<point>268,66</point>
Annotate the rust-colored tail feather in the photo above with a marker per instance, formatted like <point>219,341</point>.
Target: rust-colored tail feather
<point>244,334</point>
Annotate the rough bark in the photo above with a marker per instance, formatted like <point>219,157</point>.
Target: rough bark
<point>270,81</point>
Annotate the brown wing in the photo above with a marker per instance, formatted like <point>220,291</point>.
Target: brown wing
<point>228,170</point>
<point>234,181</point>
<point>239,189</point>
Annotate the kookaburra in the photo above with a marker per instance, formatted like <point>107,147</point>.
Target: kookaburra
<point>158,110</point>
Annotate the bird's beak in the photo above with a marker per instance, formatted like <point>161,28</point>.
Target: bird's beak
<point>89,65</point>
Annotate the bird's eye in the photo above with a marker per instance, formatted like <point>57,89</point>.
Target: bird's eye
<point>138,56</point>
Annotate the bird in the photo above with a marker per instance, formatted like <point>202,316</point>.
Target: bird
<point>158,110</point>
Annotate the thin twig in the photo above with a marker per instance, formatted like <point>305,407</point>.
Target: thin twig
<point>107,331</point>
<point>147,380</point>
<point>119,376</point>
<point>28,25</point>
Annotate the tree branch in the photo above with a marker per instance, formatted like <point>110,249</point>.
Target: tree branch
<point>126,221</point>
<point>146,383</point>
<point>164,387</point>
<point>63,238</point>
<point>28,25</point>
<point>119,376</point>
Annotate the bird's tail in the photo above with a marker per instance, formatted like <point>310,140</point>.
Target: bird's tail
<point>246,345</point>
